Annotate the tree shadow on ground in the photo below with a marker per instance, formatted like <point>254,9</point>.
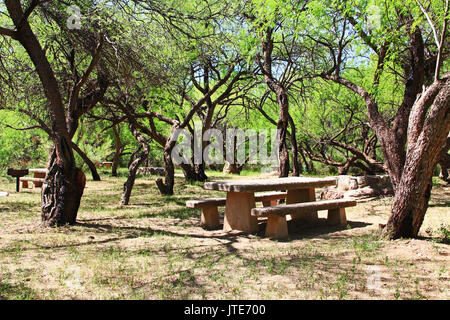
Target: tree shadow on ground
<point>299,231</point>
<point>440,203</point>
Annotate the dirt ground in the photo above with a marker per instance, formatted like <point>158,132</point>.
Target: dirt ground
<point>156,249</point>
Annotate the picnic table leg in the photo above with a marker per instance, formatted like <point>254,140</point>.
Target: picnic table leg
<point>237,212</point>
<point>302,195</point>
<point>210,218</point>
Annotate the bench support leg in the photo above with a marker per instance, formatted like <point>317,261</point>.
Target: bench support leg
<point>336,217</point>
<point>24,184</point>
<point>210,218</point>
<point>303,195</point>
<point>276,227</point>
<point>237,212</point>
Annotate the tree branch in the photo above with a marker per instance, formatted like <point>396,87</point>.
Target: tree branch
<point>9,33</point>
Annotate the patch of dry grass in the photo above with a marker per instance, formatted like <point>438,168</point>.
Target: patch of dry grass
<point>155,249</point>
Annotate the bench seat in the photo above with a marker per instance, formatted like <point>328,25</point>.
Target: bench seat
<point>210,213</point>
<point>36,181</point>
<point>277,224</point>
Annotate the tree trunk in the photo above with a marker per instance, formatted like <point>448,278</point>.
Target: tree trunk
<point>444,162</point>
<point>308,167</point>
<point>296,166</point>
<point>132,170</point>
<point>166,186</point>
<point>283,153</point>
<point>200,172</point>
<point>425,141</point>
<point>90,164</point>
<point>63,188</point>
<point>194,172</point>
<point>282,99</point>
<point>117,152</point>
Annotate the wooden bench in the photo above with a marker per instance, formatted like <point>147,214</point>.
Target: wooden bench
<point>36,181</point>
<point>276,215</point>
<point>210,213</point>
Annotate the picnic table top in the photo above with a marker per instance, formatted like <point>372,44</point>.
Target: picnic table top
<point>257,185</point>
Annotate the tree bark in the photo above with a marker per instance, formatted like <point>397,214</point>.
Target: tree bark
<point>425,141</point>
<point>444,162</point>
<point>132,170</point>
<point>134,164</point>
<point>296,165</point>
<point>117,152</point>
<point>90,164</point>
<point>166,186</point>
<point>62,190</point>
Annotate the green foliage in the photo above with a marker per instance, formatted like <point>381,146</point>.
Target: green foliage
<point>152,47</point>
<point>21,149</point>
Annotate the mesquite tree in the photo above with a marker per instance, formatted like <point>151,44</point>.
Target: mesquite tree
<point>414,134</point>
<point>141,115</point>
<point>64,182</point>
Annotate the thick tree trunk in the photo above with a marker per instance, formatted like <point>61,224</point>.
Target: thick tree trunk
<point>63,188</point>
<point>427,133</point>
<point>200,174</point>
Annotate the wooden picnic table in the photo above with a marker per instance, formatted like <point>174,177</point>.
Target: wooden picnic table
<point>38,176</point>
<point>240,198</point>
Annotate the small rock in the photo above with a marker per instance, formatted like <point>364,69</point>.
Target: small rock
<point>4,194</point>
<point>343,182</point>
<point>330,194</point>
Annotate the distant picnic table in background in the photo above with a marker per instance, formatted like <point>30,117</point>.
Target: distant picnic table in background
<point>20,175</point>
<point>106,164</point>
